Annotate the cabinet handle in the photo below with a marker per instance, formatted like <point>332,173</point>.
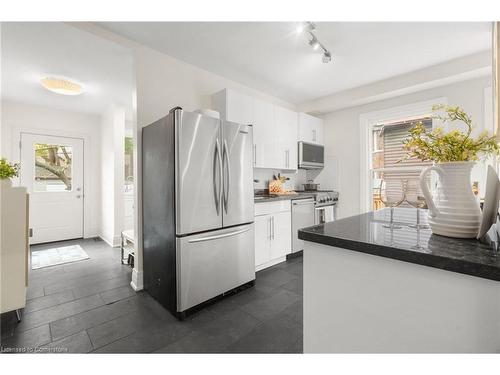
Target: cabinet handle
<point>314,135</point>
<point>270,228</point>
<point>273,226</point>
<point>254,154</point>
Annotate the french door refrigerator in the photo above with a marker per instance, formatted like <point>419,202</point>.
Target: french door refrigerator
<point>198,209</point>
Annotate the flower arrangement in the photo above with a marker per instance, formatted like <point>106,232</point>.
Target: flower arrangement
<point>8,170</point>
<point>456,145</point>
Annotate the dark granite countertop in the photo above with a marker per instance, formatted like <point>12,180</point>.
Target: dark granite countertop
<point>260,198</point>
<point>365,233</point>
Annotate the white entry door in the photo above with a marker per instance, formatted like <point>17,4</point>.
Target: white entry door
<point>52,171</point>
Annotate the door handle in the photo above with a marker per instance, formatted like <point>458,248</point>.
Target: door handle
<point>216,237</point>
<point>217,162</point>
<point>227,177</point>
<point>305,203</point>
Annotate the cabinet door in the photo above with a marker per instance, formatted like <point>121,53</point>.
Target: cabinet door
<point>305,128</point>
<point>263,134</point>
<point>262,239</point>
<point>286,133</point>
<point>281,234</point>
<point>239,107</point>
<point>310,128</point>
<point>318,130</point>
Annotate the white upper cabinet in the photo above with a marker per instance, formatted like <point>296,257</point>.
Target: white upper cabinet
<point>275,129</point>
<point>263,147</point>
<point>311,129</point>
<point>234,106</point>
<point>286,136</point>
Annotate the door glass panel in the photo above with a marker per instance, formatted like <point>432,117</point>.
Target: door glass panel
<point>53,168</point>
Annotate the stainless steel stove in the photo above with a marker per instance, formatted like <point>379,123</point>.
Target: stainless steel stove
<point>325,205</point>
<point>323,197</point>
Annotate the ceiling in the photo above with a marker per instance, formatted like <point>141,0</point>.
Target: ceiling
<point>273,58</point>
<point>31,51</point>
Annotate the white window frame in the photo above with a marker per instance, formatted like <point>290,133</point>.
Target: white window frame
<point>366,123</point>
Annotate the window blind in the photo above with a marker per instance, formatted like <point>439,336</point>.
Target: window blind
<point>396,168</point>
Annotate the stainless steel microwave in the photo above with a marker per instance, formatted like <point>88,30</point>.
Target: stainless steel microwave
<point>311,155</point>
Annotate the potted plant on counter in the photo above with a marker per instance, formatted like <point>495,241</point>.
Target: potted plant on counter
<point>453,211</point>
<point>7,171</point>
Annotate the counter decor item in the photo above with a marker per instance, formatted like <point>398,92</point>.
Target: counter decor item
<point>276,185</point>
<point>311,186</point>
<point>390,200</point>
<point>491,198</point>
<point>453,210</point>
<point>414,199</point>
<point>7,171</point>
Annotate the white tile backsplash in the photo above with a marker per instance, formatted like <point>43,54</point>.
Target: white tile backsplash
<point>327,177</point>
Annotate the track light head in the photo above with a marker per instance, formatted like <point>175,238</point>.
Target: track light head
<point>314,43</point>
<point>327,57</point>
<point>306,26</point>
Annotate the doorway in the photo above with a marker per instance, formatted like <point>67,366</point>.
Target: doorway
<point>52,171</point>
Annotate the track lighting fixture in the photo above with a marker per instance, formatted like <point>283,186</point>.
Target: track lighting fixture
<point>310,27</point>
<point>306,26</point>
<point>327,57</point>
<point>314,43</point>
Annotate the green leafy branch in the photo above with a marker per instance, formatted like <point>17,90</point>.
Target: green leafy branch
<point>437,146</point>
<point>8,170</point>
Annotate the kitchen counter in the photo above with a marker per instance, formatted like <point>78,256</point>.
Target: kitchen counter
<point>370,289</point>
<point>365,233</point>
<point>260,198</point>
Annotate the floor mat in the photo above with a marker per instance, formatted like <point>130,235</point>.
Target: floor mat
<point>57,255</point>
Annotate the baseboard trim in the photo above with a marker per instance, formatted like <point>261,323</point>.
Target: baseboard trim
<point>115,242</point>
<point>270,263</point>
<point>137,280</point>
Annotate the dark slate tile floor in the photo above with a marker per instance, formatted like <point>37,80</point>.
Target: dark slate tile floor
<point>89,306</point>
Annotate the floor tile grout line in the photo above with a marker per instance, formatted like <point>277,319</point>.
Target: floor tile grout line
<point>76,299</point>
<point>86,276</point>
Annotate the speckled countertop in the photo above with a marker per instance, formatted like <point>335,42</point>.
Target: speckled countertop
<point>365,233</point>
<point>266,197</point>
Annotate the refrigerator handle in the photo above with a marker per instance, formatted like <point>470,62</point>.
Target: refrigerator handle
<point>218,236</point>
<point>217,165</point>
<point>227,175</point>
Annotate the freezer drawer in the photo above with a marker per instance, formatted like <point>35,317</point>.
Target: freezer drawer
<point>212,263</point>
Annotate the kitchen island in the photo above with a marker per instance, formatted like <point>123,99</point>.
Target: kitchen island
<point>372,289</point>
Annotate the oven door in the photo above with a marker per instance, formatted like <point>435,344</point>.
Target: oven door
<point>311,156</point>
<point>324,214</point>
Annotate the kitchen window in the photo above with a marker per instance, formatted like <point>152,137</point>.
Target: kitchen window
<point>390,171</point>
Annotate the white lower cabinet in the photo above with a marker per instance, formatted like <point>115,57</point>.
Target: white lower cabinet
<point>273,233</point>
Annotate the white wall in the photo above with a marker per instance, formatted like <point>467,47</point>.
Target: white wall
<point>18,117</point>
<point>112,174</point>
<point>342,132</point>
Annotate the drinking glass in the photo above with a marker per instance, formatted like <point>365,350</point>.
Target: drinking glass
<point>390,199</point>
<point>414,199</point>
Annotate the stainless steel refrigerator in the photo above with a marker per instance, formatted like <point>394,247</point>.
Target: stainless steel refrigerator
<point>198,209</point>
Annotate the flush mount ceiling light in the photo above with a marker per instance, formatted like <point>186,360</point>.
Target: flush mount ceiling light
<point>61,86</point>
<point>310,27</point>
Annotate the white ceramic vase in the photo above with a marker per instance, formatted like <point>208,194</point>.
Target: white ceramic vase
<point>5,183</point>
<point>453,210</point>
